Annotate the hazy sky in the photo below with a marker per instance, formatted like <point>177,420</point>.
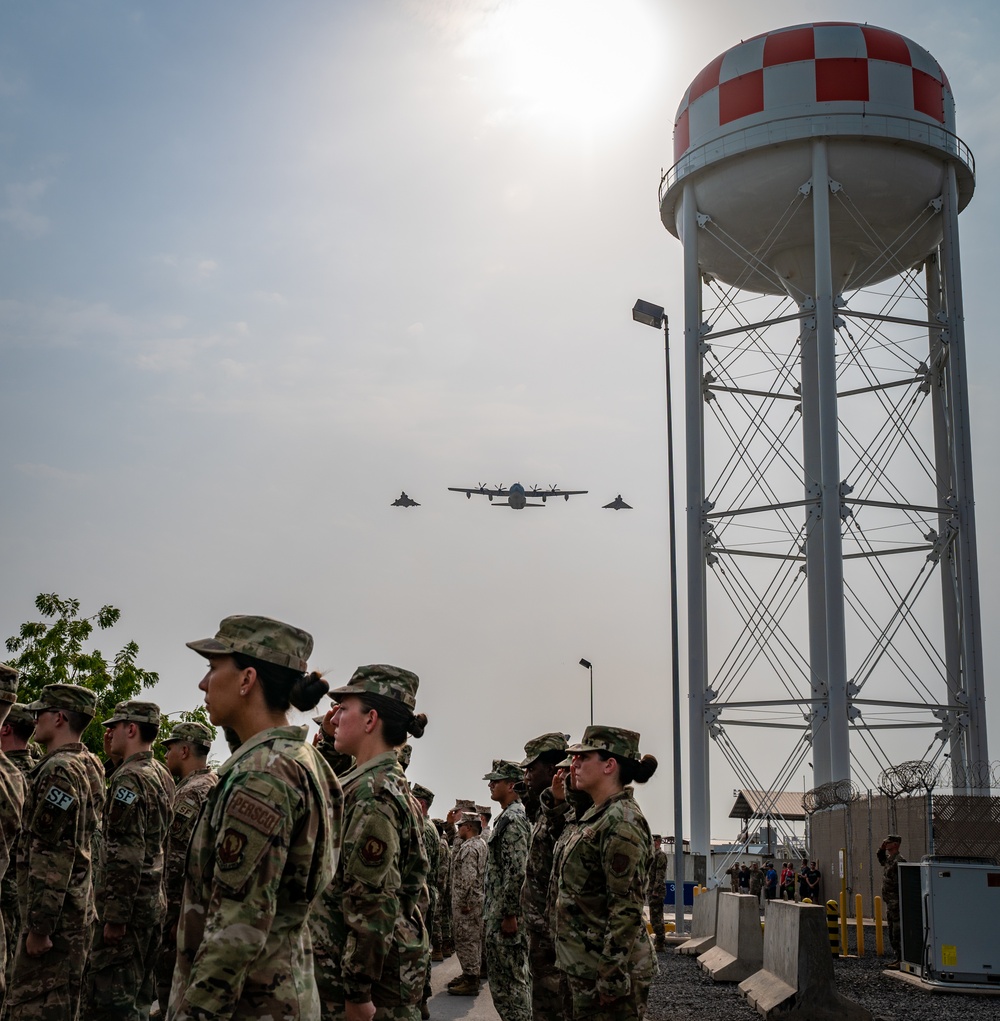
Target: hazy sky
<point>262,266</point>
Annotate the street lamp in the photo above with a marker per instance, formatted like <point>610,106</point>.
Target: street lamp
<point>648,314</point>
<point>590,666</point>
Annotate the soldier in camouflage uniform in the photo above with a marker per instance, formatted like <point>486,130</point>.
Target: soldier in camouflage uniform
<point>374,910</point>
<point>542,755</point>
<point>658,891</point>
<point>128,892</point>
<point>15,732</point>
<point>187,745</point>
<point>601,875</point>
<point>64,801</point>
<point>889,857</point>
<point>12,793</point>
<point>267,842</point>
<point>467,887</point>
<point>441,935</point>
<point>432,849</point>
<point>756,881</point>
<point>505,935</point>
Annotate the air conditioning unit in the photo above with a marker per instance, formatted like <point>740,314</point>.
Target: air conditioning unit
<point>948,911</point>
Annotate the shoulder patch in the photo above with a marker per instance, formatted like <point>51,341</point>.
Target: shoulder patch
<point>231,849</point>
<point>125,796</point>
<point>254,813</point>
<point>373,851</point>
<point>58,797</point>
<point>620,863</point>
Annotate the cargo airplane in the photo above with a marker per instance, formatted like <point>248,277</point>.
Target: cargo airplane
<point>517,496</point>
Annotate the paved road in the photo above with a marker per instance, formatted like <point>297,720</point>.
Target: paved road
<point>450,1008</point>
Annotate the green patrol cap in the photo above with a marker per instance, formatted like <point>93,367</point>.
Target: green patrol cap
<point>199,733</point>
<point>623,744</point>
<point>380,679</point>
<point>260,637</point>
<point>8,683</point>
<point>553,742</point>
<point>894,838</point>
<point>21,715</point>
<point>421,793</point>
<point>134,712</point>
<point>504,769</point>
<point>70,697</point>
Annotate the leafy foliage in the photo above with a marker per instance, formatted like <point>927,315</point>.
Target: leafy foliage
<point>53,653</point>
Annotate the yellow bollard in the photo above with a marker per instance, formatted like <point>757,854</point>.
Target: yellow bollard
<point>843,923</point>
<point>833,927</point>
<point>879,949</point>
<point>859,921</point>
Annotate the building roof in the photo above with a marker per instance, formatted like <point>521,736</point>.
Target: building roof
<point>762,804</point>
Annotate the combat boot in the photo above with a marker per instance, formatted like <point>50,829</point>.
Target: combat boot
<point>467,985</point>
<point>437,955</point>
<point>424,1012</point>
<point>454,981</point>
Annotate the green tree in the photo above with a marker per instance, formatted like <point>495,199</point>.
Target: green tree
<point>52,651</point>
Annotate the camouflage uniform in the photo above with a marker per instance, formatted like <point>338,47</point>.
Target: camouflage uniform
<point>468,877</point>
<point>546,998</point>
<point>12,793</point>
<point>441,934</point>
<point>264,848</point>
<point>54,883</point>
<point>24,759</point>
<point>375,907</point>
<point>601,874</point>
<point>129,887</point>
<point>507,956</point>
<point>657,892</point>
<point>890,890</point>
<point>191,793</point>
<point>432,849</point>
<point>756,881</point>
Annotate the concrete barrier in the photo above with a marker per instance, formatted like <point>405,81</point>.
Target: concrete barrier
<point>703,923</point>
<point>739,943</point>
<point>796,981</point>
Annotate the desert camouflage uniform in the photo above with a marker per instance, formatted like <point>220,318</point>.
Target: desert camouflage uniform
<point>54,882</point>
<point>657,891</point>
<point>24,759</point>
<point>190,795</point>
<point>507,956</point>
<point>890,894</point>
<point>264,849</point>
<point>546,995</point>
<point>129,890</point>
<point>600,876</point>
<point>373,912</point>
<point>756,881</point>
<point>468,877</point>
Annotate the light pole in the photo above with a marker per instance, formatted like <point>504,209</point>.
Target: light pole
<point>590,667</point>
<point>653,315</point>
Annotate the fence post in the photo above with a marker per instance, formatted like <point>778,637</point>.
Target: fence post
<point>859,921</point>
<point>833,927</point>
<point>878,927</point>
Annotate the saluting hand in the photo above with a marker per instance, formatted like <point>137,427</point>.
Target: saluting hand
<point>37,946</point>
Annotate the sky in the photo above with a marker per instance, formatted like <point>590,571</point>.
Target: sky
<point>264,266</point>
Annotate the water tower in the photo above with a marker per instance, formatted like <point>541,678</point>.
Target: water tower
<point>832,587</point>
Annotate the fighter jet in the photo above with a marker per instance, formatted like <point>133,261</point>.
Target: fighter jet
<point>617,504</point>
<point>517,496</point>
<point>404,501</point>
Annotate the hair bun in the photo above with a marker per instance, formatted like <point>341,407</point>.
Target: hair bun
<point>307,690</point>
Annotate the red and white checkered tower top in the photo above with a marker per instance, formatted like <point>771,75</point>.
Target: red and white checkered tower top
<point>747,114</point>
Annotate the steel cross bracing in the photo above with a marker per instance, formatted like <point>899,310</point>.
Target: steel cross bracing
<point>898,510</point>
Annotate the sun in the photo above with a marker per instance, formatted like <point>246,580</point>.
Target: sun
<point>582,62</point>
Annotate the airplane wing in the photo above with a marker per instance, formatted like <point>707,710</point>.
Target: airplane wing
<point>479,491</point>
<point>508,506</point>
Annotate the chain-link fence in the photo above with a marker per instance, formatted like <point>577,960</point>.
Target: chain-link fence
<point>840,816</point>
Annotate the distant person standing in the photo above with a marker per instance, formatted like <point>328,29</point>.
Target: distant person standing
<point>787,881</point>
<point>813,879</point>
<point>756,881</point>
<point>468,878</point>
<point>734,877</point>
<point>506,939</point>
<point>803,884</point>
<point>658,891</point>
<point>432,848</point>
<point>889,857</point>
<point>770,881</point>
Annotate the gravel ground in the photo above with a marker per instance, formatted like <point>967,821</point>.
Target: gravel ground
<point>683,992</point>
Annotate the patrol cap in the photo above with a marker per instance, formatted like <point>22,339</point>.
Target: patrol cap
<point>21,715</point>
<point>553,742</point>
<point>319,720</point>
<point>192,730</point>
<point>381,679</point>
<point>71,697</point>
<point>894,838</point>
<point>421,793</point>
<point>134,712</point>
<point>623,744</point>
<point>656,836</point>
<point>464,805</point>
<point>470,819</point>
<point>403,755</point>
<point>260,637</point>
<point>484,810</point>
<point>504,769</point>
<point>8,683</point>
